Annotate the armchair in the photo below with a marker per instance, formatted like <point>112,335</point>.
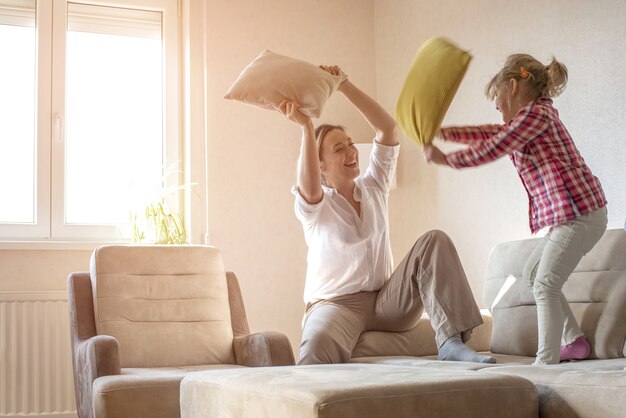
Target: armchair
<point>145,316</point>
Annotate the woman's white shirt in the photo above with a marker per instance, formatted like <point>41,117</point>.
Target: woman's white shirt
<point>347,253</point>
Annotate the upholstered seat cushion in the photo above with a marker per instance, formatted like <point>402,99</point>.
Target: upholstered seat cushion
<point>144,392</point>
<point>354,390</point>
<point>417,341</point>
<point>590,388</point>
<point>431,362</point>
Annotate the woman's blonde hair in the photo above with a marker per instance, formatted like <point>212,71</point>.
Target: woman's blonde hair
<point>320,134</point>
<point>544,80</point>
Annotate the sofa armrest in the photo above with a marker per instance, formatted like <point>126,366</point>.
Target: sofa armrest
<point>263,349</point>
<point>94,357</point>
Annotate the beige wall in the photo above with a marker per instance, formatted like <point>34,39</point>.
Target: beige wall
<point>39,270</point>
<point>252,153</point>
<point>483,206</point>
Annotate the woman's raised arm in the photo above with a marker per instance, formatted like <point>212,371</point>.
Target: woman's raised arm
<point>309,176</point>
<point>382,123</point>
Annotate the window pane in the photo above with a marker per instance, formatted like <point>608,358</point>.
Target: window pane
<point>17,111</point>
<point>114,113</point>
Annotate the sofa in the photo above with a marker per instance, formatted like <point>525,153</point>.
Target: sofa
<point>596,291</point>
<point>123,367</point>
<point>398,374</point>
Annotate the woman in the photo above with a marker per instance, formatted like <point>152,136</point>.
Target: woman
<point>350,287</point>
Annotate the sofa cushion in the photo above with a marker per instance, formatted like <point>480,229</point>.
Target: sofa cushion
<point>165,305</point>
<point>590,389</point>
<point>432,362</point>
<point>354,390</point>
<point>143,392</point>
<point>418,341</point>
<point>137,396</point>
<point>596,292</point>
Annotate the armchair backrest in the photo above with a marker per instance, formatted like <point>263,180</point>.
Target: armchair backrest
<point>596,292</point>
<point>165,305</point>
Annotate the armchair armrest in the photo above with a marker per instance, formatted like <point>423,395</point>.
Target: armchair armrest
<point>263,349</point>
<point>94,357</point>
<point>98,356</point>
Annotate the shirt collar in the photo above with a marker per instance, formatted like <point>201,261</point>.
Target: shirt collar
<point>357,194</point>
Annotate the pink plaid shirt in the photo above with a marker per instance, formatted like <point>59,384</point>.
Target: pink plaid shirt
<point>559,184</point>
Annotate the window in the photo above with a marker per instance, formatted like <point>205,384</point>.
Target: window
<point>17,113</point>
<point>89,115</point>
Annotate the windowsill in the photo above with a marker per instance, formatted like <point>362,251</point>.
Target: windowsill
<point>55,245</point>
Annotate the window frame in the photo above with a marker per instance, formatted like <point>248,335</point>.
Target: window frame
<point>51,31</point>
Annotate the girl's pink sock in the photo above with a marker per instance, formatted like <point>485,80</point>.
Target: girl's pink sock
<point>579,349</point>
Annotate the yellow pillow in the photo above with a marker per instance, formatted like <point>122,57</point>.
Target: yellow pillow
<point>432,82</point>
<point>272,78</point>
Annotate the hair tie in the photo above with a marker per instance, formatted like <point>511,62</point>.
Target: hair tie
<point>523,72</point>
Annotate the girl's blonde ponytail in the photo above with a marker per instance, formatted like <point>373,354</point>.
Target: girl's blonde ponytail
<point>543,80</point>
<point>557,78</point>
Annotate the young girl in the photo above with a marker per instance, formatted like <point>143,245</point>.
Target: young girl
<point>563,193</point>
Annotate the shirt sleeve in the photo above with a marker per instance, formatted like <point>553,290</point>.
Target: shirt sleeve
<point>529,124</point>
<point>382,167</point>
<point>469,134</point>
<point>306,212</point>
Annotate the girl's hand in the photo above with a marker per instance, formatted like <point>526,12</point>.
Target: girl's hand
<point>432,154</point>
<point>292,111</point>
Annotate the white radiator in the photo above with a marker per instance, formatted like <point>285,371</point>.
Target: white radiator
<point>35,358</point>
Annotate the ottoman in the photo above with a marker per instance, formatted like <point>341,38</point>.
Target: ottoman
<point>355,390</point>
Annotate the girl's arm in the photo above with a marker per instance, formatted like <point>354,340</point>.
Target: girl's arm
<point>525,127</point>
<point>469,134</point>
<point>382,123</point>
<point>309,176</point>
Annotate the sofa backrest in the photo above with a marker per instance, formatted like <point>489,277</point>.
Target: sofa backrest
<point>596,292</point>
<point>166,305</point>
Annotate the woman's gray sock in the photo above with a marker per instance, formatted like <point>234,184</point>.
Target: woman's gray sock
<point>453,349</point>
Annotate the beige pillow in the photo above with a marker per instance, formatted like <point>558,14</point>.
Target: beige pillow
<point>272,78</point>
<point>430,86</point>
